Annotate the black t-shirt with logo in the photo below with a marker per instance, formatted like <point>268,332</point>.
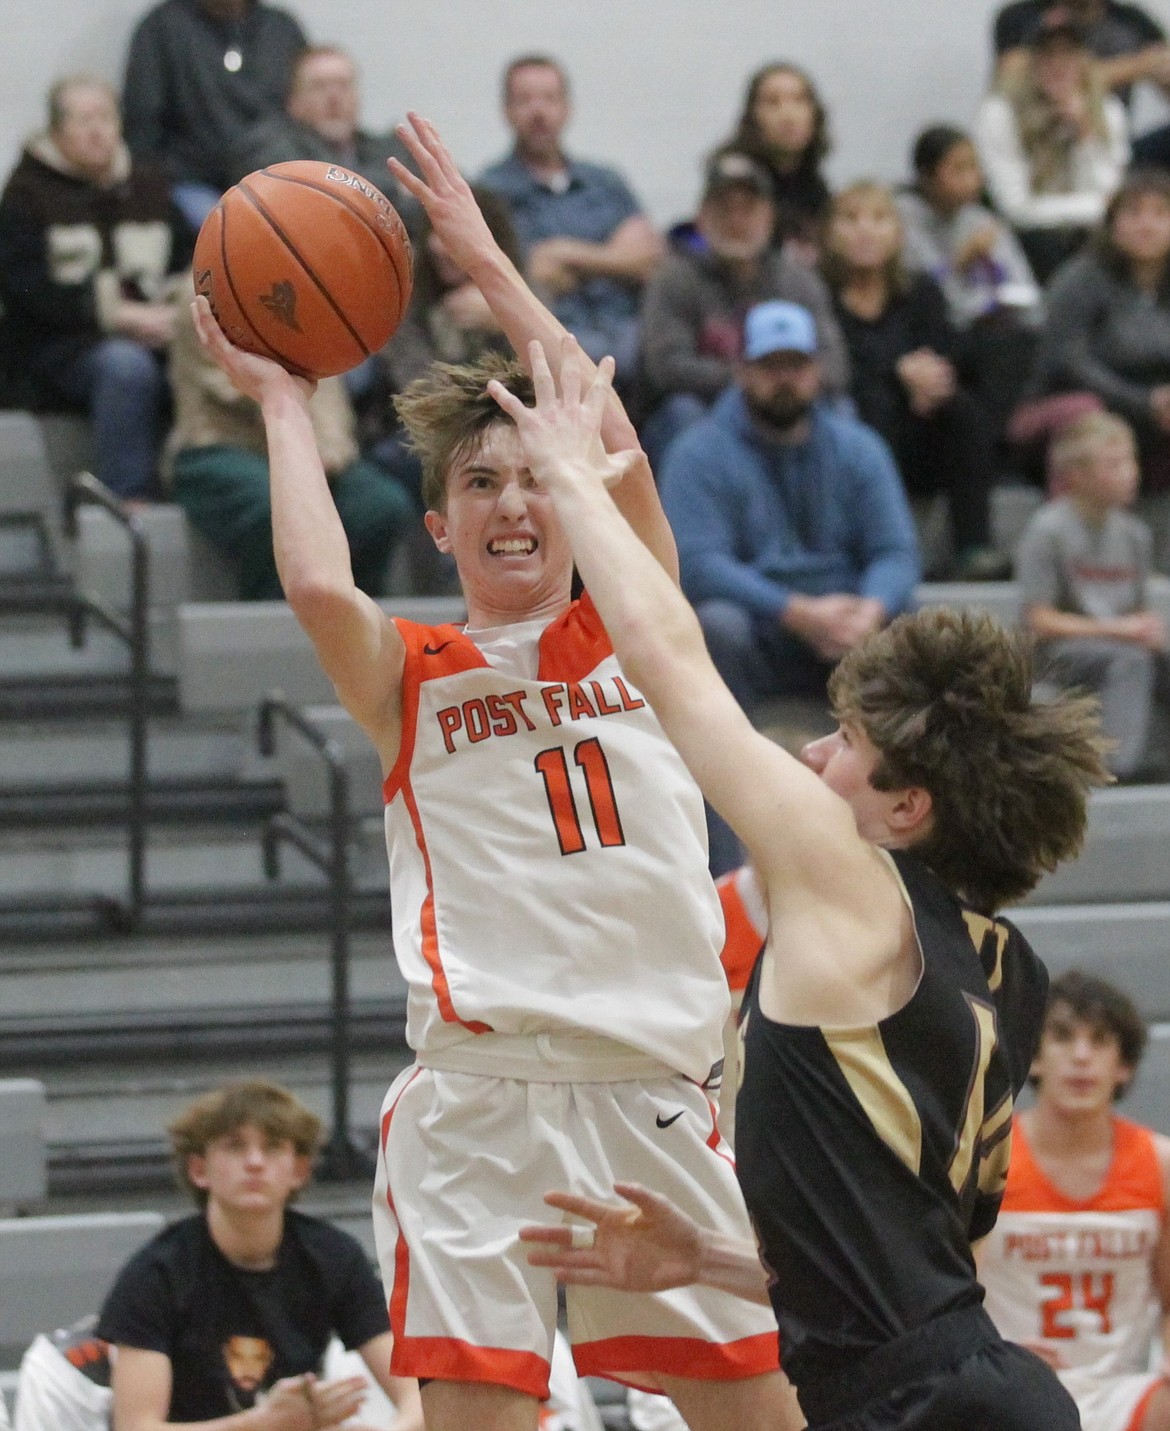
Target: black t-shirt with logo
<point>231,1333</point>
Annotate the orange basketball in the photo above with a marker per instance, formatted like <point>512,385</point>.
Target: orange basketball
<point>306,263</point>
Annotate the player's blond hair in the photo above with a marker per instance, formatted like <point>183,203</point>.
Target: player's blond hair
<point>946,697</point>
<point>447,412</point>
<point>256,1104</point>
<point>1075,445</point>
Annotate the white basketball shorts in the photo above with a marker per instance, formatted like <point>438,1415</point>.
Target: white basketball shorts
<point>466,1159</point>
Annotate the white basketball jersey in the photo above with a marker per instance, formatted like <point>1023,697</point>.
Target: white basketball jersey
<point>1077,1275</point>
<point>548,858</point>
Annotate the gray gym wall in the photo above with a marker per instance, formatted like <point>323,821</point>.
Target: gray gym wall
<point>657,82</point>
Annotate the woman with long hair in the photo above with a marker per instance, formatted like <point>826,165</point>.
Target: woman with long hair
<point>905,384</point>
<point>1108,330</point>
<point>1054,146</point>
<point>784,125</point>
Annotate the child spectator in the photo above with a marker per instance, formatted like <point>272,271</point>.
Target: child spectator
<point>904,380</point>
<point>977,261</point>
<point>1054,145</point>
<point>784,125</point>
<point>952,235</point>
<point>232,1308</point>
<point>1082,565</point>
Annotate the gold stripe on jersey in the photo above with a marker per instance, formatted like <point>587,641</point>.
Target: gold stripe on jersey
<point>979,927</point>
<point>971,1126</point>
<point>995,1148</point>
<point>862,1058</point>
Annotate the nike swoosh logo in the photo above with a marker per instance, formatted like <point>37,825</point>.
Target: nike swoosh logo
<point>429,650</point>
<point>666,1122</point>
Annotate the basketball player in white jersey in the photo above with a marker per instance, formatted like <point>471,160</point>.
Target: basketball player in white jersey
<point>1078,1266</point>
<point>552,912</point>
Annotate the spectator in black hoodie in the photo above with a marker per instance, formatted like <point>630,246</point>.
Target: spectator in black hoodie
<point>89,246</point>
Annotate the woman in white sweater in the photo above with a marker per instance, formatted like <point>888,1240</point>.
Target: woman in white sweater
<point>1054,147</point>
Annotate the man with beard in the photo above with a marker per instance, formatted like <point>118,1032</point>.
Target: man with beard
<point>794,536</point>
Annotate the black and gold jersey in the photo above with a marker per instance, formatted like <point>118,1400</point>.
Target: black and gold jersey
<point>872,1157</point>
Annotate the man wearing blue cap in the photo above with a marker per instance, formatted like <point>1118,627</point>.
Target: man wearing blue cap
<point>794,536</point>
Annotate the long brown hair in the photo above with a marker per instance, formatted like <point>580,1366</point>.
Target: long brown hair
<point>748,134</point>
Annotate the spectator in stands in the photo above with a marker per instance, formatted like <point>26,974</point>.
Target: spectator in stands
<point>794,536</point>
<point>693,307</point>
<point>785,126</point>
<point>951,234</point>
<point>320,121</point>
<point>1083,565</point>
<point>90,248</point>
<point>232,1308</point>
<point>198,73</point>
<point>1108,328</point>
<point>219,471</point>
<point>1053,143</point>
<point>902,355</point>
<point>1126,41</point>
<point>1077,1268</point>
<point>588,243</point>
<point>992,298</point>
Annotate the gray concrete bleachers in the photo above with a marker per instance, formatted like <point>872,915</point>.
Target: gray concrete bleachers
<point>231,654</point>
<point>1126,854</point>
<point>22,1143</point>
<point>30,492</point>
<point>1129,944</point>
<point>56,1270</point>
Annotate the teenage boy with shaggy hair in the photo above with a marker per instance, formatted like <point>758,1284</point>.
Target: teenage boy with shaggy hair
<point>1078,1266</point>
<point>222,1320</point>
<point>892,1016</point>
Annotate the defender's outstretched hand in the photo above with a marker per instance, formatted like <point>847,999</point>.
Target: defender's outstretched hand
<point>643,1245</point>
<point>561,435</point>
<point>251,374</point>
<point>443,192</point>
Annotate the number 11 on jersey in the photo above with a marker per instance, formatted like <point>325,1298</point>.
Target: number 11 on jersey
<point>553,766</point>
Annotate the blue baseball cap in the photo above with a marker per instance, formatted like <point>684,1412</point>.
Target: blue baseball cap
<point>778,327</point>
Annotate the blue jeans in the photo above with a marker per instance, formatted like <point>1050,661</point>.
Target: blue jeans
<point>123,386</point>
<point>194,201</point>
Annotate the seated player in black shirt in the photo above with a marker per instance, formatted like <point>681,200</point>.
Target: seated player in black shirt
<point>893,1016</point>
<point>224,1317</point>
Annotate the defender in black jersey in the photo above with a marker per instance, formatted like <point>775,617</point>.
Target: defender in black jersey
<point>892,1016</point>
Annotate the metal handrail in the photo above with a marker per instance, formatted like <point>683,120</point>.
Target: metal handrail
<point>340,1157</point>
<point>83,488</point>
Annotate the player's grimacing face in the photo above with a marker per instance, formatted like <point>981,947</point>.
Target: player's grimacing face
<point>499,525</point>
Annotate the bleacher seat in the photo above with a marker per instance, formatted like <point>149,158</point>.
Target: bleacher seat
<point>22,1143</point>
<point>30,495</point>
<point>55,1270</point>
<point>231,654</point>
<point>1128,944</point>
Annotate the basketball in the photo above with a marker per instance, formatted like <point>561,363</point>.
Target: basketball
<point>305,263</point>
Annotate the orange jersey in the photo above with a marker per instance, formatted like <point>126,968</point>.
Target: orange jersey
<point>745,918</point>
<point>1078,1276</point>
